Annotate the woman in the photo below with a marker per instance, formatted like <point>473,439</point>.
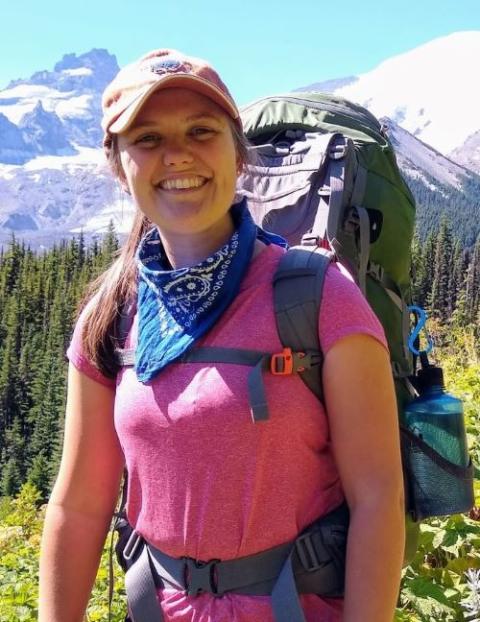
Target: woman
<point>205,482</point>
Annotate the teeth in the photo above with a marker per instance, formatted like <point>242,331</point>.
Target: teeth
<point>180,184</point>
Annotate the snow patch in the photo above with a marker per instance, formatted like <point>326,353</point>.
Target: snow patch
<point>84,156</point>
<point>120,211</point>
<point>80,71</point>
<point>80,106</point>
<point>431,90</point>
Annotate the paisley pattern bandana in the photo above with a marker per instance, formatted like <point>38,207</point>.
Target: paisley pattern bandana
<point>177,307</point>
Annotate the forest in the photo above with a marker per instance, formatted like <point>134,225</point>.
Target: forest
<point>39,297</point>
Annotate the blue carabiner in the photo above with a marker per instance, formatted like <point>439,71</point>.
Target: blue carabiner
<point>421,322</point>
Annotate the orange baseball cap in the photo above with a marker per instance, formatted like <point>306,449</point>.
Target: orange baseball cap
<point>133,85</point>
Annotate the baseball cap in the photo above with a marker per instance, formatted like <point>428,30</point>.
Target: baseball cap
<point>133,85</point>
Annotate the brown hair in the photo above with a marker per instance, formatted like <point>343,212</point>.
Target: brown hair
<point>109,294</point>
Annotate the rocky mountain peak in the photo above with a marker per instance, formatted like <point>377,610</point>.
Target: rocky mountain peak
<point>88,72</point>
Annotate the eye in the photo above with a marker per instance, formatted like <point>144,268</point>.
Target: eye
<point>202,132</point>
<point>147,140</point>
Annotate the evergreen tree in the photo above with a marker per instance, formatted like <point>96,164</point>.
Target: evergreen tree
<point>425,269</point>
<point>13,461</point>
<point>472,285</point>
<point>441,293</point>
<point>9,385</point>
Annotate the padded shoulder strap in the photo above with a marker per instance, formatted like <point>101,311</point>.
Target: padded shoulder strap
<point>297,290</point>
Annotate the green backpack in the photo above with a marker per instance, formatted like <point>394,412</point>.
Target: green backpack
<point>327,176</point>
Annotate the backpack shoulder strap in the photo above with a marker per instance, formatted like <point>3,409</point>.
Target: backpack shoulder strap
<point>297,290</point>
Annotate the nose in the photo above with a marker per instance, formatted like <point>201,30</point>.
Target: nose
<point>176,154</point>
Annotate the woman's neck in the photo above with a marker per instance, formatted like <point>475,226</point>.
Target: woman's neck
<point>183,251</point>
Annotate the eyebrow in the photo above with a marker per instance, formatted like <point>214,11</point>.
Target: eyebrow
<point>203,115</point>
<point>193,117</point>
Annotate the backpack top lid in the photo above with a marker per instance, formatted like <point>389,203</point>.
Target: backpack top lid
<point>309,110</point>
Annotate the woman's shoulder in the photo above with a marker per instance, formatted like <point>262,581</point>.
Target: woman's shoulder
<point>76,351</point>
<point>345,311</point>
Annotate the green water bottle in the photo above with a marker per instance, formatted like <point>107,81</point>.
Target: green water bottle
<point>441,476</point>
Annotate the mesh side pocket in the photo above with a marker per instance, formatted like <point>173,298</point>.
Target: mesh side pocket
<point>435,486</point>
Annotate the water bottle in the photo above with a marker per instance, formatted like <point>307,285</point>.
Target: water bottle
<point>440,472</point>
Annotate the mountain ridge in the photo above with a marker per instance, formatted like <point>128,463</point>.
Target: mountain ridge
<point>54,181</point>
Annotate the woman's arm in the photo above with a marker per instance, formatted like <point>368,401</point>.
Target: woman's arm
<point>82,502</point>
<point>362,412</point>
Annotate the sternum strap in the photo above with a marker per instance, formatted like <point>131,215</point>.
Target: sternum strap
<point>258,360</point>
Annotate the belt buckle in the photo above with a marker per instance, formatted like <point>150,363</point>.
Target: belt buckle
<point>200,576</point>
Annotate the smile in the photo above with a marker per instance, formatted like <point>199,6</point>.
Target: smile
<point>182,183</point>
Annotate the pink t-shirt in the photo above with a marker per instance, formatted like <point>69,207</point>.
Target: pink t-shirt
<point>204,480</point>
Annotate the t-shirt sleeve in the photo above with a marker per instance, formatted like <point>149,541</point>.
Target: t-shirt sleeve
<point>345,311</point>
<point>76,355</point>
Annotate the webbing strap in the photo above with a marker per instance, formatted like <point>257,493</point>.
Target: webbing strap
<point>204,354</point>
<point>359,186</point>
<point>297,289</point>
<point>215,354</point>
<point>141,591</point>
<point>364,250</point>
<point>336,178</point>
<point>285,600</point>
<point>391,288</point>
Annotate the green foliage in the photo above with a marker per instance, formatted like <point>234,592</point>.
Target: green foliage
<point>39,294</point>
<point>435,586</point>
<point>20,527</point>
<point>461,207</point>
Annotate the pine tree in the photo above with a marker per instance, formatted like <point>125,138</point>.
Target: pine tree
<point>9,385</point>
<point>425,269</point>
<point>441,293</point>
<point>472,285</point>
<point>13,461</point>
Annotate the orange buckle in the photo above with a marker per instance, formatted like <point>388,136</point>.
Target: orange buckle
<point>282,364</point>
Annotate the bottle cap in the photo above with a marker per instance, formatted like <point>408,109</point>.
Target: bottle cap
<point>428,377</point>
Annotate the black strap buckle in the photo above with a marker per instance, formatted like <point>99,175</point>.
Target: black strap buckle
<point>307,554</point>
<point>200,576</point>
<point>132,546</point>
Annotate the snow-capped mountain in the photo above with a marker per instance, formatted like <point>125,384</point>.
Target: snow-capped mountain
<point>55,112</point>
<point>430,91</point>
<point>53,178</point>
<point>419,161</point>
<point>54,182</point>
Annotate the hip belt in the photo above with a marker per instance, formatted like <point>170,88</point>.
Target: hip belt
<point>313,563</point>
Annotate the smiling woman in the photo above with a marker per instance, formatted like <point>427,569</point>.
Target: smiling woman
<point>223,501</point>
<point>179,162</point>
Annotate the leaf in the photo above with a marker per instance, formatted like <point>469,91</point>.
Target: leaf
<point>422,588</point>
<point>438,538</point>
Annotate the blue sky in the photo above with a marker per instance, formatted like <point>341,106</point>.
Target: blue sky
<point>259,46</point>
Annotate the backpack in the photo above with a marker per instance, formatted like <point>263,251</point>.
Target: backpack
<point>326,177</point>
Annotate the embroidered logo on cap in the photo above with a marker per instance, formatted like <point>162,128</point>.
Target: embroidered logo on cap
<point>163,66</point>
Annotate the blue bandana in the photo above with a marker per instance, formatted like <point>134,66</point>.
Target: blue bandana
<point>177,307</point>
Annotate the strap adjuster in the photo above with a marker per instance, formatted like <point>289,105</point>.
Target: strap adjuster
<point>131,547</point>
<point>200,576</point>
<point>282,364</point>
<point>307,553</point>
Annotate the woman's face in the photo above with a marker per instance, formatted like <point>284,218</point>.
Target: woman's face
<point>180,163</point>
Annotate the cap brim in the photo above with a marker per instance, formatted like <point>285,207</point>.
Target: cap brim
<point>194,83</point>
